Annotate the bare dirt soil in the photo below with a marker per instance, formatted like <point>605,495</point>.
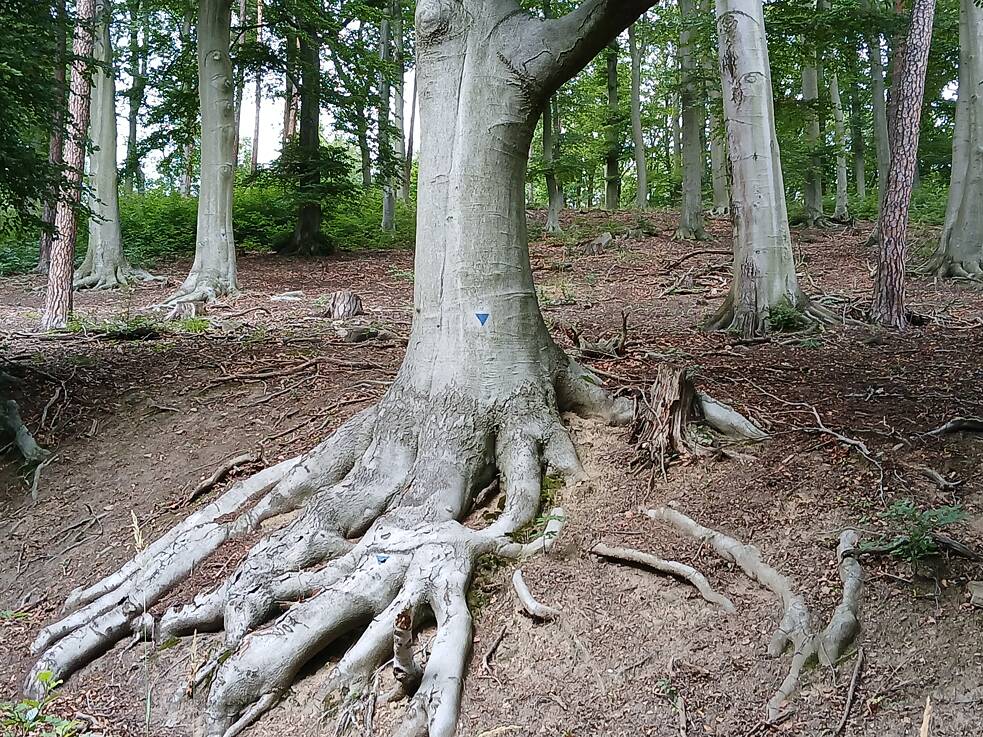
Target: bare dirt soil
<point>137,423</point>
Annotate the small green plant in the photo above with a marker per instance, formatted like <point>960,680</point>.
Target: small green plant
<point>35,716</point>
<point>910,534</point>
<point>811,343</point>
<point>483,584</point>
<point>193,325</point>
<point>402,274</point>
<point>785,317</point>
<point>11,615</point>
<point>549,497</point>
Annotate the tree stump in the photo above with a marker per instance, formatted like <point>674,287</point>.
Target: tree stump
<point>343,305</point>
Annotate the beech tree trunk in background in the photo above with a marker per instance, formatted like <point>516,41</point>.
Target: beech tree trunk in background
<point>58,297</point>
<point>858,146</point>
<point>399,102</point>
<point>764,268</point>
<point>813,211</point>
<point>258,92</point>
<point>553,191</point>
<point>694,115</point>
<point>132,172</point>
<point>909,91</point>
<point>104,265</point>
<point>307,238</point>
<point>637,133</point>
<point>290,99</point>
<point>841,212</point>
<point>960,251</point>
<point>408,161</point>
<point>379,535</point>
<point>878,93</point>
<point>612,169</point>
<point>56,141</point>
<point>213,273</point>
<point>385,143</point>
<point>239,82</point>
<point>718,163</point>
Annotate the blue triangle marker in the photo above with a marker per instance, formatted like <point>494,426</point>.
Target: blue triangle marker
<point>482,317</point>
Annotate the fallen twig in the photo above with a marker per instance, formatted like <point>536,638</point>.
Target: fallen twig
<point>528,601</point>
<point>958,424</point>
<point>220,473</point>
<point>851,692</point>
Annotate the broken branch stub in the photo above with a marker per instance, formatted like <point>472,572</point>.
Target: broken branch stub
<point>343,305</point>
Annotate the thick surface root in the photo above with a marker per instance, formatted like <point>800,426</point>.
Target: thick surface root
<point>945,266</point>
<point>750,322</point>
<point>122,276</point>
<point>200,287</point>
<point>795,630</point>
<point>10,420</point>
<point>377,548</point>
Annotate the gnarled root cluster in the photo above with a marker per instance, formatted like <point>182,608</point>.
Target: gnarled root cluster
<point>743,317</point>
<point>795,630</point>
<point>10,420</point>
<point>110,276</point>
<point>375,545</point>
<point>665,417</point>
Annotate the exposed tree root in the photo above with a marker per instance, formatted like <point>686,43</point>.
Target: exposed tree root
<point>377,547</point>
<point>201,287</point>
<point>111,278</point>
<point>744,318</point>
<point>795,629</point>
<point>959,424</point>
<point>11,421</point>
<point>663,427</point>
<point>944,266</point>
<point>673,568</point>
<point>532,607</point>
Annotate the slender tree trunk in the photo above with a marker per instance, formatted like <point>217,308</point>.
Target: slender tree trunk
<point>718,163</point>
<point>213,273</point>
<point>104,265</point>
<point>399,104</point>
<point>858,146</point>
<point>879,94</point>
<point>239,84</point>
<point>408,161</point>
<point>764,269</point>
<point>365,151</point>
<point>814,173</point>
<point>254,160</point>
<point>638,134</point>
<point>909,91</point>
<point>290,101</point>
<point>56,140</point>
<point>385,143</point>
<point>960,251</point>
<point>554,194</point>
<point>58,298</point>
<point>841,212</point>
<point>307,238</point>
<point>132,173</point>
<point>612,173</point>
<point>188,149</point>
<point>694,114</point>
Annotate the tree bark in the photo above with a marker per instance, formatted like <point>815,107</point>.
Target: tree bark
<point>858,146</point>
<point>813,211</point>
<point>960,250</point>
<point>694,114</point>
<point>385,113</point>
<point>307,238</point>
<point>290,99</point>
<point>841,212</point>
<point>104,266</point>
<point>638,134</point>
<point>213,273</point>
<point>132,172</point>
<point>612,168</point>
<point>408,161</point>
<point>239,84</point>
<point>258,92</point>
<point>878,92</point>
<point>764,269</point>
<point>56,141</point>
<point>399,104</point>
<point>909,90</point>
<point>58,298</point>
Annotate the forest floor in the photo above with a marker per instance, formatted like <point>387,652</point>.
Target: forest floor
<point>136,421</point>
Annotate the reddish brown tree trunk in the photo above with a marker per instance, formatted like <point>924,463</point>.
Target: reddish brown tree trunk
<point>55,144</point>
<point>58,299</point>
<point>905,118</point>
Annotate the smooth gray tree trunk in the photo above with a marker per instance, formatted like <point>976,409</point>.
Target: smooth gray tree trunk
<point>694,114</point>
<point>612,165</point>
<point>813,206</point>
<point>841,212</point>
<point>858,146</point>
<point>133,172</point>
<point>385,114</point>
<point>879,94</point>
<point>638,134</point>
<point>960,251</point>
<point>213,273</point>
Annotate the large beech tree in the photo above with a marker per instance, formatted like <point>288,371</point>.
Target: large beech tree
<point>764,268</point>
<point>213,273</point>
<point>378,539</point>
<point>960,251</point>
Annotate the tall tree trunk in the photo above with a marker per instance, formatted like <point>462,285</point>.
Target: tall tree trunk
<point>960,251</point>
<point>307,238</point>
<point>718,162</point>
<point>764,268</point>
<point>58,298</point>
<point>554,194</point>
<point>239,84</point>
<point>858,146</point>
<point>258,92</point>
<point>132,173</point>
<point>378,530</point>
<point>612,169</point>
<point>56,140</point>
<point>188,149</point>
<point>879,95</point>
<point>694,115</point>
<point>385,142</point>
<point>841,212</point>
<point>813,211</point>
<point>637,133</point>
<point>909,91</point>
<point>104,265</point>
<point>290,101</point>
<point>399,104</point>
<point>362,133</point>
<point>213,273</point>
<point>408,161</point>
